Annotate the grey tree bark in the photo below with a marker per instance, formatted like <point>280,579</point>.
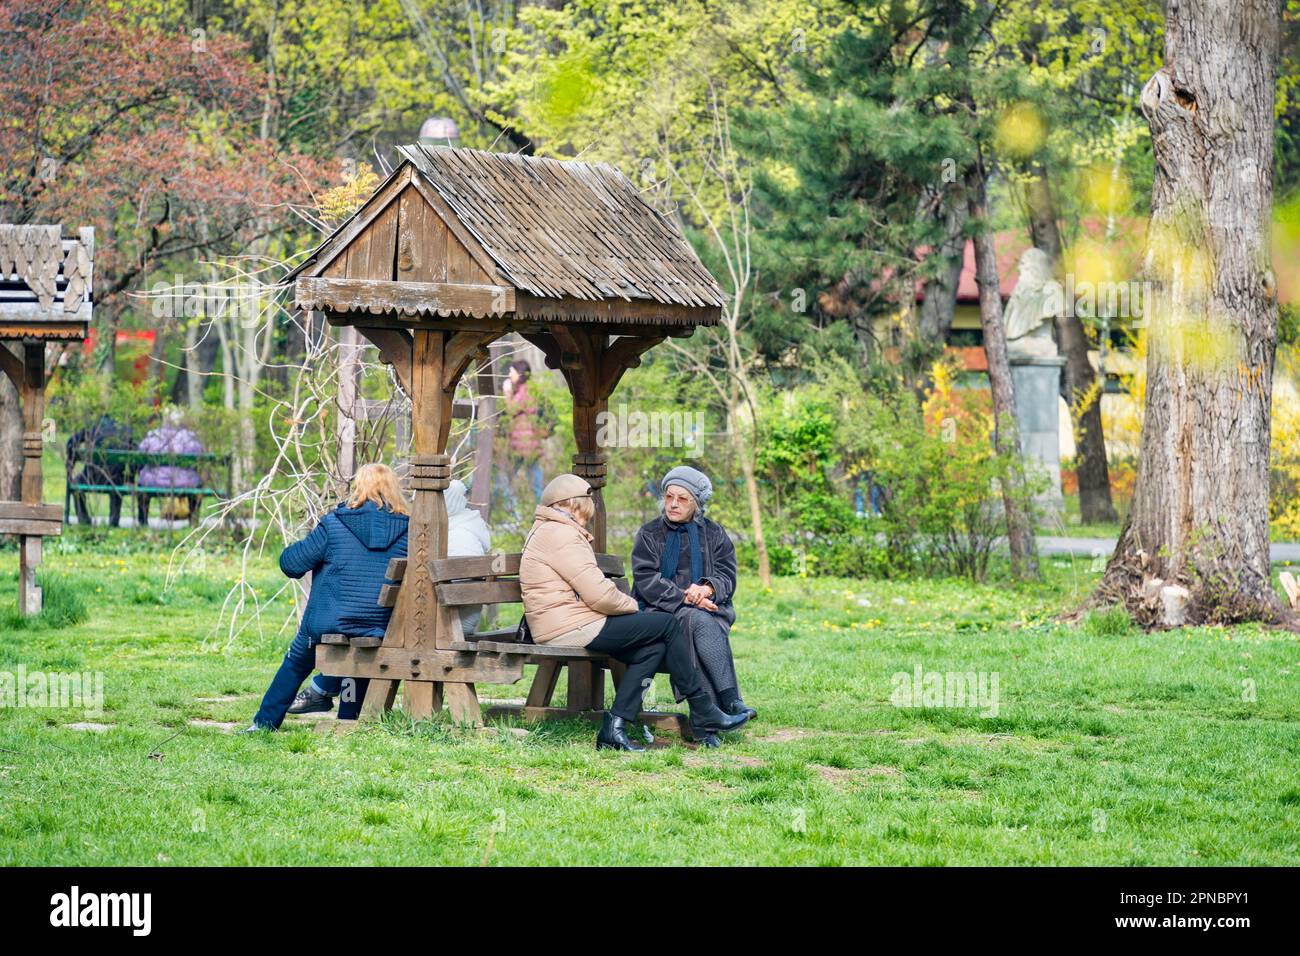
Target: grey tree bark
<point>1200,509</point>
<point>934,319</point>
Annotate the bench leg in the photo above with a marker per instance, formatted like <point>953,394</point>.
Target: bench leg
<point>582,678</point>
<point>543,689</point>
<point>462,701</point>
<point>421,699</point>
<point>379,698</point>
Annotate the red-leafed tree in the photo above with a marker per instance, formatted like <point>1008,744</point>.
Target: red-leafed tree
<point>150,137</point>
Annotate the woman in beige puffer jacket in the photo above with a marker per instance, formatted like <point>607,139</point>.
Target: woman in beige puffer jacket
<point>569,602</point>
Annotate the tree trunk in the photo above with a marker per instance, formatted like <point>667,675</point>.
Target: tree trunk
<point>1006,437</point>
<point>939,302</point>
<point>745,454</point>
<point>1200,510</point>
<point>1095,504</point>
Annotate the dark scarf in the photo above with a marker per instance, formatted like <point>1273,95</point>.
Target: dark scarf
<point>672,551</point>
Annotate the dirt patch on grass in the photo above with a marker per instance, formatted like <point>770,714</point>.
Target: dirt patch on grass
<point>714,759</point>
<point>90,726</point>
<point>223,699</point>
<point>844,776</point>
<point>785,736</point>
<point>224,725</point>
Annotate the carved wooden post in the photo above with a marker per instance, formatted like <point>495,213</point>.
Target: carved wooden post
<point>591,463</point>
<point>33,402</point>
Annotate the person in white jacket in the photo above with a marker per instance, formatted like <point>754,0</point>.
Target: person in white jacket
<point>468,536</point>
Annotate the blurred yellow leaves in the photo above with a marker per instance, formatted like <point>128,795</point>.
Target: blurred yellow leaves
<point>1021,131</point>
<point>338,203</point>
<point>1107,190</point>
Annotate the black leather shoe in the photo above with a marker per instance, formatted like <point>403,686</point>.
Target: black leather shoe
<point>707,719</point>
<point>310,702</point>
<point>737,706</point>
<point>613,735</point>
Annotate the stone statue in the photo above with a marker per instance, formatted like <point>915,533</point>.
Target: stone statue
<point>1032,305</point>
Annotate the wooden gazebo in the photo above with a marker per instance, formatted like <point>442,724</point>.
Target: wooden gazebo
<point>45,286</point>
<point>455,249</point>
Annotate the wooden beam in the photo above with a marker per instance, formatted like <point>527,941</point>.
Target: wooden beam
<point>462,347</point>
<point>394,349</point>
<point>31,528</point>
<point>568,308</point>
<point>411,298</point>
<point>12,366</point>
<point>416,663</point>
<point>20,511</point>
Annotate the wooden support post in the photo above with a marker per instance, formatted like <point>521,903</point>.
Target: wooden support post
<point>591,463</point>
<point>463,703</point>
<point>581,678</point>
<point>438,359</point>
<point>379,699</point>
<point>544,681</point>
<point>33,400</point>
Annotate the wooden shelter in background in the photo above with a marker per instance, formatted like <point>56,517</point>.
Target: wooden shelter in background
<point>455,249</point>
<point>45,296</point>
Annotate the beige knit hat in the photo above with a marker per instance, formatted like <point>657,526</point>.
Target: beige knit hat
<point>565,486</point>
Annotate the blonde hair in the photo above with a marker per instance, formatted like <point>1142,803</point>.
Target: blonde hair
<point>378,483</point>
<point>581,507</point>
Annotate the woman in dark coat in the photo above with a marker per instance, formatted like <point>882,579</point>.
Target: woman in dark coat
<point>685,564</point>
<point>348,554</point>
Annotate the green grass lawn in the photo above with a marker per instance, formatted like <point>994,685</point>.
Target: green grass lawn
<point>1109,746</point>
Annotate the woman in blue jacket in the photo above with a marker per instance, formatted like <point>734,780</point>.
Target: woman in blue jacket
<point>348,554</point>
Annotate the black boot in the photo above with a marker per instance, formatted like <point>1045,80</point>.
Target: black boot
<point>707,719</point>
<point>310,702</point>
<point>613,735</point>
<point>738,706</point>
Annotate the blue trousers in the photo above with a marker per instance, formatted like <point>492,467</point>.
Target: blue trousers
<point>296,667</point>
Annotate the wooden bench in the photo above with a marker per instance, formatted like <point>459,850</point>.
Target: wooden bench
<point>489,581</point>
<point>132,462</point>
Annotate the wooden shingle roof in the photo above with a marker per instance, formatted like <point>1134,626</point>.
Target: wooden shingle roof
<point>565,228</point>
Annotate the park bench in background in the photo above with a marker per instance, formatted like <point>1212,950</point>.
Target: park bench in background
<point>467,582</point>
<point>105,461</point>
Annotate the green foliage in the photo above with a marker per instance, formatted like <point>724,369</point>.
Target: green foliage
<point>940,505</point>
<point>1109,622</point>
<point>62,605</point>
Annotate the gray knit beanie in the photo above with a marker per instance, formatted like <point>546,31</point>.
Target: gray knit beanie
<point>694,481</point>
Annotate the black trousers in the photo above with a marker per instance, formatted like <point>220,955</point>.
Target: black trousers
<point>645,641</point>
